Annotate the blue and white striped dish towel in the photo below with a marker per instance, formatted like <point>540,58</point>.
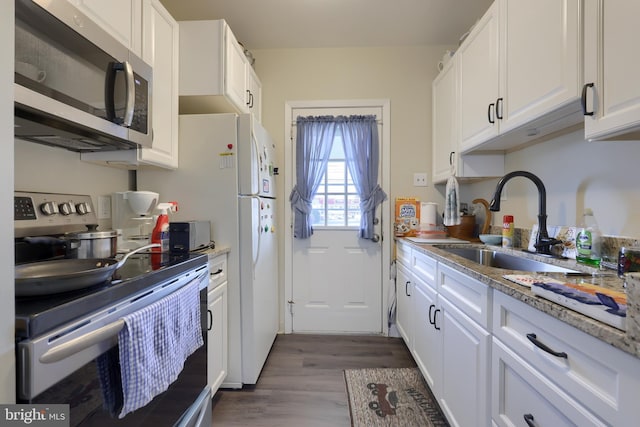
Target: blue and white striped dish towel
<point>451,202</point>
<point>154,344</point>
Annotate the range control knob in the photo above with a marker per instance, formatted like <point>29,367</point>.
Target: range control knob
<point>66,208</point>
<point>49,208</point>
<point>83,208</point>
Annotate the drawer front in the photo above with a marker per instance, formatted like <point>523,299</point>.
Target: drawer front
<point>424,268</point>
<point>469,295</point>
<point>403,253</point>
<point>217,270</point>
<point>599,376</point>
<point>520,393</point>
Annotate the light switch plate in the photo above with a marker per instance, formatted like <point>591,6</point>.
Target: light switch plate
<point>420,179</point>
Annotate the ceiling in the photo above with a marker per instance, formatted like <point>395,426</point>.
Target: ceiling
<point>273,24</point>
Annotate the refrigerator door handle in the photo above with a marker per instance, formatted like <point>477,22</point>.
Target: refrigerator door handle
<point>256,250</point>
<point>257,164</point>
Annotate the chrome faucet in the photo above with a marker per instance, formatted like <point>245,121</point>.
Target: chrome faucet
<point>543,241</point>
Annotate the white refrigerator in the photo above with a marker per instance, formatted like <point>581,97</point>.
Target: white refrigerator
<point>226,175</point>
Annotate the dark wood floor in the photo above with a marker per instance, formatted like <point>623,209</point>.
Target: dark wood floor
<point>302,383</point>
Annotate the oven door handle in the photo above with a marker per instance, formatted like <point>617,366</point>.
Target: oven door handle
<point>78,344</point>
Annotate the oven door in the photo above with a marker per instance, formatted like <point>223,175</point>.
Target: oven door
<point>72,377</point>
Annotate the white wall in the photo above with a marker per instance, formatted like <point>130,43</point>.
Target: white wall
<point>401,74</point>
<point>7,328</point>
<point>56,170</point>
<point>576,174</point>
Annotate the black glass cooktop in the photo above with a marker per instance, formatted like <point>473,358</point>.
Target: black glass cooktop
<point>38,314</point>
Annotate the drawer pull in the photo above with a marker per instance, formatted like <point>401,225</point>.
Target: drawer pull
<point>435,315</point>
<point>528,418</point>
<point>215,273</point>
<point>534,339</point>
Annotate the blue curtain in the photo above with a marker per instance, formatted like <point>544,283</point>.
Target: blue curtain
<point>360,136</point>
<point>314,141</point>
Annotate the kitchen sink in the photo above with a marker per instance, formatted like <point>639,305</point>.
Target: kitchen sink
<point>503,260</point>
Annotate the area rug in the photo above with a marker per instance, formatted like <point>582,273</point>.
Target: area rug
<point>391,397</point>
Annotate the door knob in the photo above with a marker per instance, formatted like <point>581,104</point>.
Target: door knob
<point>375,238</point>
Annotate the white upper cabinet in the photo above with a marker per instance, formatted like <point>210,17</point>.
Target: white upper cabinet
<point>520,74</point>
<point>444,129</point>
<point>540,65</point>
<point>160,49</point>
<point>215,74</point>
<point>478,71</point>
<point>120,18</point>
<point>254,94</point>
<point>612,70</point>
<point>445,137</point>
<point>234,75</point>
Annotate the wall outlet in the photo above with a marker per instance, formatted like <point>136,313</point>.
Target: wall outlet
<point>104,207</point>
<point>420,179</point>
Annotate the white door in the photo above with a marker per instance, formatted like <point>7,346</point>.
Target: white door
<point>336,276</point>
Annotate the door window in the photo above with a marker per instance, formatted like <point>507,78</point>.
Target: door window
<point>336,203</point>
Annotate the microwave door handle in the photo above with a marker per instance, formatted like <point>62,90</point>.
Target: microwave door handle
<point>110,92</point>
<point>131,94</point>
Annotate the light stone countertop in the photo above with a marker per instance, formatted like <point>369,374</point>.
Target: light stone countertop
<point>626,341</point>
<point>218,250</point>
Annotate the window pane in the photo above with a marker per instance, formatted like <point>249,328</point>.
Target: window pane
<point>336,203</point>
<point>335,172</point>
<point>353,211</point>
<point>317,214</point>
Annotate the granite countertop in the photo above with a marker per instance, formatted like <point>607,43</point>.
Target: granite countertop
<point>218,250</point>
<point>628,342</point>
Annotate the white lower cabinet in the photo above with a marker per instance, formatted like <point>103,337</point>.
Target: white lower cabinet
<point>427,341</point>
<point>404,318</point>
<point>548,370</point>
<point>464,397</point>
<point>449,345</point>
<point>492,360</point>
<point>217,338</point>
<point>521,395</point>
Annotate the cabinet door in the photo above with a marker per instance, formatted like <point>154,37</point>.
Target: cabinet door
<point>427,341</point>
<point>235,72</point>
<point>254,93</point>
<point>540,70</point>
<point>217,340</point>
<point>404,318</point>
<point>612,67</point>
<point>444,123</point>
<point>465,368</point>
<point>446,120</point>
<point>121,18</point>
<point>478,71</point>
<point>522,396</point>
<point>160,48</point>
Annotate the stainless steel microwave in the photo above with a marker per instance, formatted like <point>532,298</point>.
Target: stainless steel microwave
<point>76,86</point>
